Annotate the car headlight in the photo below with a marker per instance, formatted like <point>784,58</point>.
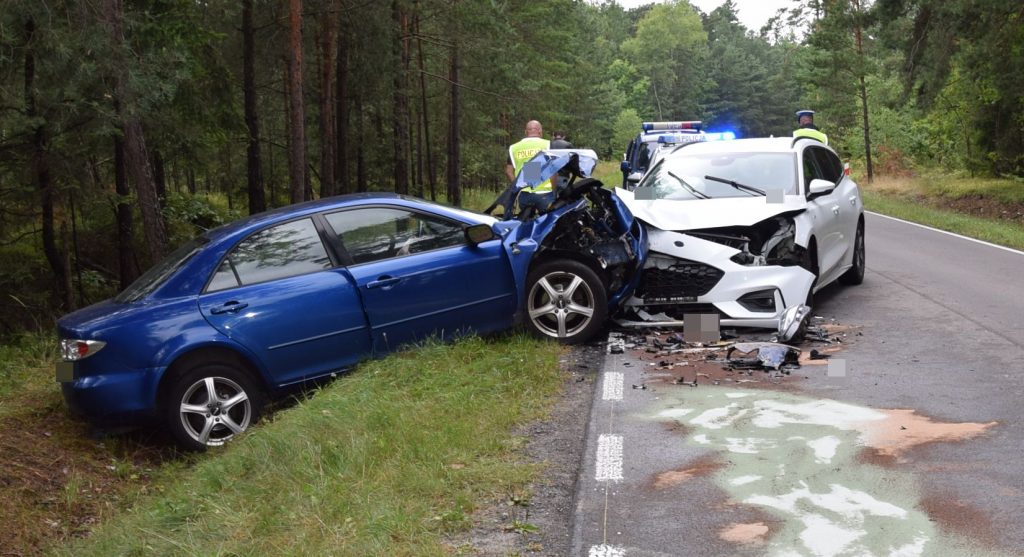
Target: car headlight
<point>74,349</point>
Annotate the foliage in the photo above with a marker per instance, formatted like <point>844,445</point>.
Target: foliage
<point>942,80</point>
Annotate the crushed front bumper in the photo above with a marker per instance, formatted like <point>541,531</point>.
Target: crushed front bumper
<point>685,274</point>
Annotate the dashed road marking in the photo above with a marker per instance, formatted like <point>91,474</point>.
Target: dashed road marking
<point>605,550</point>
<point>609,458</point>
<point>613,381</point>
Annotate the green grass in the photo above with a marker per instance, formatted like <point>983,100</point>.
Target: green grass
<point>1004,190</point>
<point>998,232</point>
<point>608,172</point>
<point>383,461</point>
<point>27,369</point>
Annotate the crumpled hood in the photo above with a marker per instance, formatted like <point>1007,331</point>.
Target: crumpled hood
<point>697,214</point>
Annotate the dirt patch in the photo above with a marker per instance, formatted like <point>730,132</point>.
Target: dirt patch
<point>904,429</point>
<point>985,207</point>
<point>703,466</point>
<point>62,479</point>
<point>956,516</point>
<point>751,534</point>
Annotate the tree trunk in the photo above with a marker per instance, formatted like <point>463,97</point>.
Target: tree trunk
<point>453,147</point>
<point>401,100</point>
<point>136,155</point>
<point>341,116</point>
<point>125,248</point>
<point>858,35</point>
<point>254,164</point>
<point>41,178</point>
<point>296,110</point>
<point>428,149</point>
<point>361,183</point>
<point>328,134</point>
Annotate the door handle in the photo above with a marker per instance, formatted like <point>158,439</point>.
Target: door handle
<point>835,209</point>
<point>229,307</point>
<point>383,282</point>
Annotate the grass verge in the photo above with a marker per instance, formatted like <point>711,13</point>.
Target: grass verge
<point>383,461</point>
<point>986,209</point>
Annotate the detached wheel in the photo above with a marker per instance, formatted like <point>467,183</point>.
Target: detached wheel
<point>566,300</point>
<point>210,404</point>
<point>855,275</point>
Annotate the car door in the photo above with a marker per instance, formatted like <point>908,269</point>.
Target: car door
<point>847,201</point>
<point>417,275</point>
<point>824,211</point>
<point>279,294</point>
<point>839,230</point>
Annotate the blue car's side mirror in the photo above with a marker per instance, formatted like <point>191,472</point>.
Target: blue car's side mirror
<point>479,233</point>
<point>624,166</point>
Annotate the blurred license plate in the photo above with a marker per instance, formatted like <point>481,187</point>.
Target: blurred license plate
<point>65,372</point>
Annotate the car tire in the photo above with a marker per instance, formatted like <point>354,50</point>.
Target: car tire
<point>855,274</point>
<point>566,301</point>
<point>198,422</point>
<point>810,263</point>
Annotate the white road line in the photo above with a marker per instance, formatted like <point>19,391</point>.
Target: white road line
<point>609,458</point>
<point>933,229</point>
<point>604,550</point>
<point>612,386</point>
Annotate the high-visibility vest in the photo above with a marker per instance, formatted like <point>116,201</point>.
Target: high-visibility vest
<point>811,133</point>
<point>525,150</point>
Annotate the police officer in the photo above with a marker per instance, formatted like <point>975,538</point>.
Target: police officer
<point>540,196</point>
<point>806,128</point>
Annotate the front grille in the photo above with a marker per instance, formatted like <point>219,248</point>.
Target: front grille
<point>681,282</point>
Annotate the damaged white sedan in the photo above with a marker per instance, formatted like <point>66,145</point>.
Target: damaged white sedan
<point>746,229</point>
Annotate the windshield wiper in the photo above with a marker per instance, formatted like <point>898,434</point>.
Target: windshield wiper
<point>698,194</point>
<point>736,185</point>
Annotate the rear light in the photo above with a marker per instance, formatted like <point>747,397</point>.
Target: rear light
<point>74,349</point>
<point>846,169</point>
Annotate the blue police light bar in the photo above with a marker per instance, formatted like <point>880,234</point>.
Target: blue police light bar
<point>720,136</point>
<point>669,126</point>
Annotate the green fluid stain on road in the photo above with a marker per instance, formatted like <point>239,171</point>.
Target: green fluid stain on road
<point>798,459</point>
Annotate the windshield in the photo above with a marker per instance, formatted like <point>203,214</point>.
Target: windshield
<point>683,177</point>
<point>156,275</point>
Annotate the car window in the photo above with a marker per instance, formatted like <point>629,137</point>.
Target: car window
<point>829,164</point>
<point>811,170</point>
<point>157,274</point>
<point>683,175</point>
<point>286,250</point>
<point>644,158</point>
<point>376,233</point>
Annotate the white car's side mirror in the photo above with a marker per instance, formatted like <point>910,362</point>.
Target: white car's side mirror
<point>819,186</point>
<point>634,178</point>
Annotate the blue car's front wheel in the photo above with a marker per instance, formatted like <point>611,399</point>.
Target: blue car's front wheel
<point>566,300</point>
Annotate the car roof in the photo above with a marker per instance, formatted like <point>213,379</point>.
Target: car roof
<point>750,145</point>
<point>309,207</point>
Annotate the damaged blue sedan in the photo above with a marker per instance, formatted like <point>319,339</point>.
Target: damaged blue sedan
<point>249,309</point>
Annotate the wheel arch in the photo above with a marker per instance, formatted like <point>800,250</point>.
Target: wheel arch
<point>208,353</point>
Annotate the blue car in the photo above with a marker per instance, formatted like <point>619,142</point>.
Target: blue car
<point>247,310</point>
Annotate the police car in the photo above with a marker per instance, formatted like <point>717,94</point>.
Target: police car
<point>657,139</point>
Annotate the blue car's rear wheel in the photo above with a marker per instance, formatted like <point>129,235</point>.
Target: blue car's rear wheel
<point>566,300</point>
<point>211,403</point>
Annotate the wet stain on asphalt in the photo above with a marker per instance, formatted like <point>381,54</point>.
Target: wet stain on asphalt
<point>812,464</point>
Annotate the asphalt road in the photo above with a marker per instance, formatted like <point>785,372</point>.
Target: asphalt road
<point>916,451</point>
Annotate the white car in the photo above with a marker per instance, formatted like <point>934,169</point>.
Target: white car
<point>747,229</point>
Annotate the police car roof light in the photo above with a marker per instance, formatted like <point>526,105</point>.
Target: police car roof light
<point>720,136</point>
<point>666,126</point>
